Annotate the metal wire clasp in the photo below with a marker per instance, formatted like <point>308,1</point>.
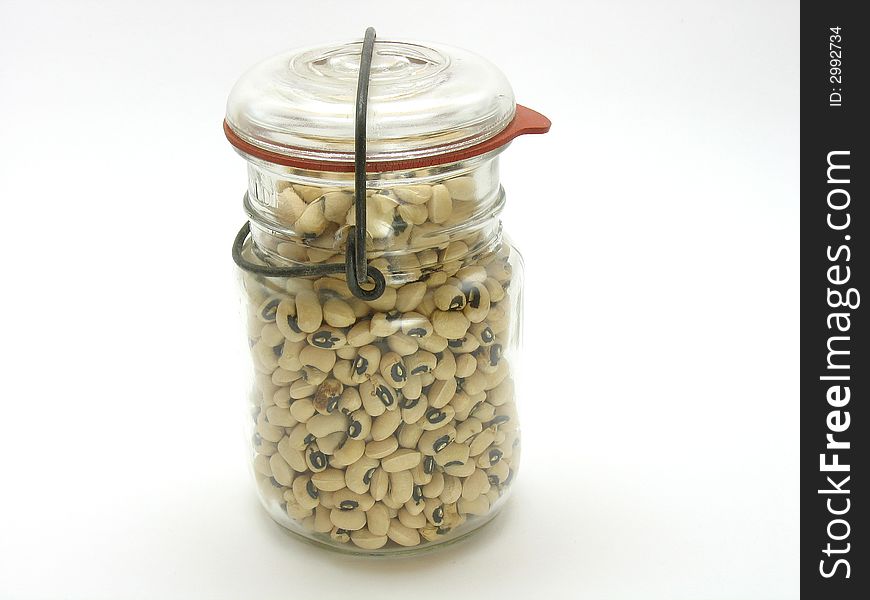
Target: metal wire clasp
<point>356,267</point>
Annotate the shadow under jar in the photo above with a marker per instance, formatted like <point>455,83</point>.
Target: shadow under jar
<point>383,426</point>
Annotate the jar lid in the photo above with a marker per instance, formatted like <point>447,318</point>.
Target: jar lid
<point>425,101</point>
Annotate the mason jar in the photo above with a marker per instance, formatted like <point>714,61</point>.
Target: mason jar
<point>385,425</point>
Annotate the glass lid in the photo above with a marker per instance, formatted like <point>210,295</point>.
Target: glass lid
<point>424,100</point>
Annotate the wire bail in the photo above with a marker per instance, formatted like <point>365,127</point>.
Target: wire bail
<point>355,267</point>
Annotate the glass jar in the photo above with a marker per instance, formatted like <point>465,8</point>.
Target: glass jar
<point>389,425</point>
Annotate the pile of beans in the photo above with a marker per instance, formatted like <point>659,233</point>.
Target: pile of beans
<point>390,422</point>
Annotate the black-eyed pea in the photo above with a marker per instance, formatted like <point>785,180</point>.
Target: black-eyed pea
<point>450,324</point>
<point>283,377</point>
<point>411,521</point>
<point>393,370</point>
<point>266,357</point>
<point>377,396</point>
<point>437,417</point>
<point>403,535</point>
<point>449,297</point>
<point>435,280</point>
<point>500,270</point>
<point>335,206</point>
<point>433,512</point>
<point>478,506</point>
<point>328,480</point>
<point>313,375</point>
<point>408,435</point>
<point>431,533</point>
<point>414,214</point>
<point>385,425</point>
<point>381,449</point>
<point>462,403</point>
<point>280,470</point>
<point>271,335</point>
<point>502,393</point>
<point>440,205</point>
<point>330,443</point>
<point>360,308</point>
<point>481,442</point>
<point>319,358</point>
<point>298,438</point>
<point>441,392</point>
<point>462,188</point>
<point>435,440</point>
<point>416,504</point>
<point>427,379</point>
<point>378,519</point>
<point>445,369</point>
<point>358,475</point>
<point>489,458</point>
<point>289,206</point>
<point>327,396</point>
<point>281,397</point>
<point>309,314</point>
<point>471,274</point>
<point>403,345</point>
<point>409,296</point>
<point>488,359</point>
<point>280,417</point>
<point>329,287</point>
<point>264,447</point>
<point>485,412</point>
<point>339,535</point>
<point>421,477</point>
<point>474,383</point>
<point>435,487</point>
<point>328,338</point>
<point>322,425</point>
<point>312,221</point>
<point>460,470</point>
<point>495,378</point>
<point>413,388</point>
<point>379,484</point>
<point>429,235</point>
<point>420,362</point>
<point>468,429</point>
<point>453,454</point>
<point>492,495</point>
<point>338,313</point>
<point>267,431</point>
<point>401,487</point>
<point>384,324</point>
<point>475,484</point>
<point>477,307</point>
<point>366,363</point>
<point>413,409</point>
<point>296,512</point>
<point>271,490</point>
<point>498,473</point>
<point>345,353</point>
<point>315,459</point>
<point>347,499</point>
<point>413,194</point>
<point>322,524</point>
<point>452,490</point>
<point>290,355</point>
<point>365,539</point>
<point>295,458</point>
<point>267,311</point>
<point>350,520</point>
<point>305,492</point>
<point>360,334</point>
<point>402,459</point>
<point>499,317</point>
<point>433,343</point>
<point>359,425</point>
<point>350,400</point>
<point>415,325</point>
<point>466,364</point>
<point>483,333</point>
<point>465,344</point>
<point>386,302</point>
<point>506,417</point>
<point>496,291</point>
<point>262,466</point>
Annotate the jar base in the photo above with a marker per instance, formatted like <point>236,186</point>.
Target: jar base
<point>320,540</point>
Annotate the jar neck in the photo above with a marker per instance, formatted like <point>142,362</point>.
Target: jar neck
<point>416,220</point>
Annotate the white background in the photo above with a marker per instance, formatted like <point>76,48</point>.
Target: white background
<point>659,222</point>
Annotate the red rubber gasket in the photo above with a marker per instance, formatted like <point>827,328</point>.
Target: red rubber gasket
<point>525,121</point>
